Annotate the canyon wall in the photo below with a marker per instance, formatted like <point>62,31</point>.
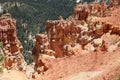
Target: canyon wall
<point>81,32</point>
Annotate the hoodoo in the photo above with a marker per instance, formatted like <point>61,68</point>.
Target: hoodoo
<point>84,46</point>
<point>87,34</point>
<point>12,48</point>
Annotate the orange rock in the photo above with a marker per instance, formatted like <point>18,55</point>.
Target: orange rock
<point>11,44</point>
<point>81,12</point>
<point>77,35</point>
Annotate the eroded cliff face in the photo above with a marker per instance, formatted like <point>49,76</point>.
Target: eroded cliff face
<point>12,48</point>
<point>90,31</point>
<point>86,43</point>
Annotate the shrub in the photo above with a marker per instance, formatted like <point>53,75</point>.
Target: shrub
<point>118,78</point>
<point>1,70</point>
<point>1,44</point>
<point>1,57</point>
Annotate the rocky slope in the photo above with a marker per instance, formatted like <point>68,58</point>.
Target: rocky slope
<point>13,75</point>
<point>84,46</point>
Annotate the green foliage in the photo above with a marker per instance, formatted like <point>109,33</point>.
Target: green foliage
<point>1,44</point>
<point>1,69</point>
<point>28,57</point>
<point>1,57</point>
<point>118,78</point>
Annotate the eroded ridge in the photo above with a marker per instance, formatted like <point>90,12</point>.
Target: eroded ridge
<point>12,48</point>
<point>86,32</point>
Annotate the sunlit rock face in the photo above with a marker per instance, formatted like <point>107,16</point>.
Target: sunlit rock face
<point>81,12</point>
<point>80,33</point>
<point>114,3</point>
<point>12,47</point>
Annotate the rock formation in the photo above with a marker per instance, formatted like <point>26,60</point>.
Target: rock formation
<point>114,3</point>
<point>86,43</point>
<point>12,47</point>
<point>79,34</point>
